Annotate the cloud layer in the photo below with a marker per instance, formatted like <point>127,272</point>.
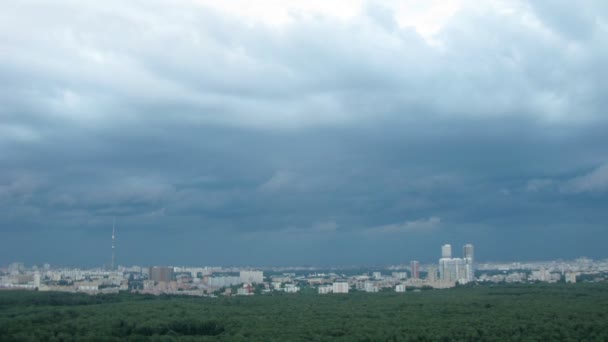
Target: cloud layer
<point>267,135</point>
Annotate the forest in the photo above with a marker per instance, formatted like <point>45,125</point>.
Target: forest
<point>526,312</point>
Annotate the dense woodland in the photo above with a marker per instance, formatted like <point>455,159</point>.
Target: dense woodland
<point>533,312</point>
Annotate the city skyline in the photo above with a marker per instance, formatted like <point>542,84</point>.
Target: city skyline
<point>446,252</point>
<point>302,132</point>
<point>413,265</point>
<point>448,272</point>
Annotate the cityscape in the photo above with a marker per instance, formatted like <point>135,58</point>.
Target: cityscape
<point>450,271</point>
<point>303,170</point>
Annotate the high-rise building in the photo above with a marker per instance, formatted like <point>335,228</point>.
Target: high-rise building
<point>445,262</point>
<point>467,251</point>
<point>415,268</point>
<point>164,274</point>
<point>431,274</point>
<point>456,269</point>
<point>446,251</point>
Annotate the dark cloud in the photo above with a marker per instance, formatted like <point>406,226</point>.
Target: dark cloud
<point>214,140</point>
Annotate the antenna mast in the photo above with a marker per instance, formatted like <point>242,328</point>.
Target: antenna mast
<point>113,242</point>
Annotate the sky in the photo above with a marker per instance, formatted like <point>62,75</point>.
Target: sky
<point>302,132</point>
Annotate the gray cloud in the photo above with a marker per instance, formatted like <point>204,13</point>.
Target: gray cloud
<point>278,181</point>
<point>594,181</point>
<point>535,185</point>
<point>431,223</point>
<point>202,132</point>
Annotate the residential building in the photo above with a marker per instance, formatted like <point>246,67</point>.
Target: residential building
<point>340,287</point>
<point>415,269</point>
<point>252,277</point>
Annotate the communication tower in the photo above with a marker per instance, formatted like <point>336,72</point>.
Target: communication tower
<point>113,243</point>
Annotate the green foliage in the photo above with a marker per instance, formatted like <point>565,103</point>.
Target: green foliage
<point>534,312</point>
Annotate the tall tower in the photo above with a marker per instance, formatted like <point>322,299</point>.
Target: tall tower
<point>446,251</point>
<point>415,267</point>
<point>446,263</point>
<point>113,243</point>
<point>467,251</point>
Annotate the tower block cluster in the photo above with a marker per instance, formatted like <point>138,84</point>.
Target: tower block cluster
<point>459,270</point>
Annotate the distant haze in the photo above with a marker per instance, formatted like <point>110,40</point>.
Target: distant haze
<point>317,133</point>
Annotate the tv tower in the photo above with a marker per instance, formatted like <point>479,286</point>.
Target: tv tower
<point>113,243</point>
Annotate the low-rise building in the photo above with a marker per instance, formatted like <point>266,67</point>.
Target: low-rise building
<point>252,277</point>
<point>570,277</point>
<point>291,288</point>
<point>246,290</point>
<point>325,289</point>
<point>370,286</point>
<point>340,287</point>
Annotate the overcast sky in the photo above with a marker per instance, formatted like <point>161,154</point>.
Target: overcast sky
<point>314,132</point>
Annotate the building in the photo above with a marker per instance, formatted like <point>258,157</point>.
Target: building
<point>400,288</point>
<point>444,269</point>
<point>164,274</point>
<point>37,279</point>
<point>252,277</point>
<point>370,286</point>
<point>467,253</point>
<point>541,275</point>
<point>148,284</point>
<point>452,270</point>
<point>91,286</point>
<point>459,270</point>
<point>415,268</point>
<point>570,277</point>
<point>246,290</point>
<point>325,289</point>
<point>340,287</point>
<point>377,275</point>
<point>431,274</point>
<point>223,281</point>
<point>399,275</point>
<point>16,268</point>
<point>446,251</point>
<point>291,288</point>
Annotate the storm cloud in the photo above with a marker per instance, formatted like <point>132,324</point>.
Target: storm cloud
<point>314,135</point>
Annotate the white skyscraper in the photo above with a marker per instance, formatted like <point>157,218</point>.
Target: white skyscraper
<point>444,268</point>
<point>444,262</point>
<point>467,251</point>
<point>456,269</point>
<point>446,251</point>
<point>415,268</point>
<point>431,274</point>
